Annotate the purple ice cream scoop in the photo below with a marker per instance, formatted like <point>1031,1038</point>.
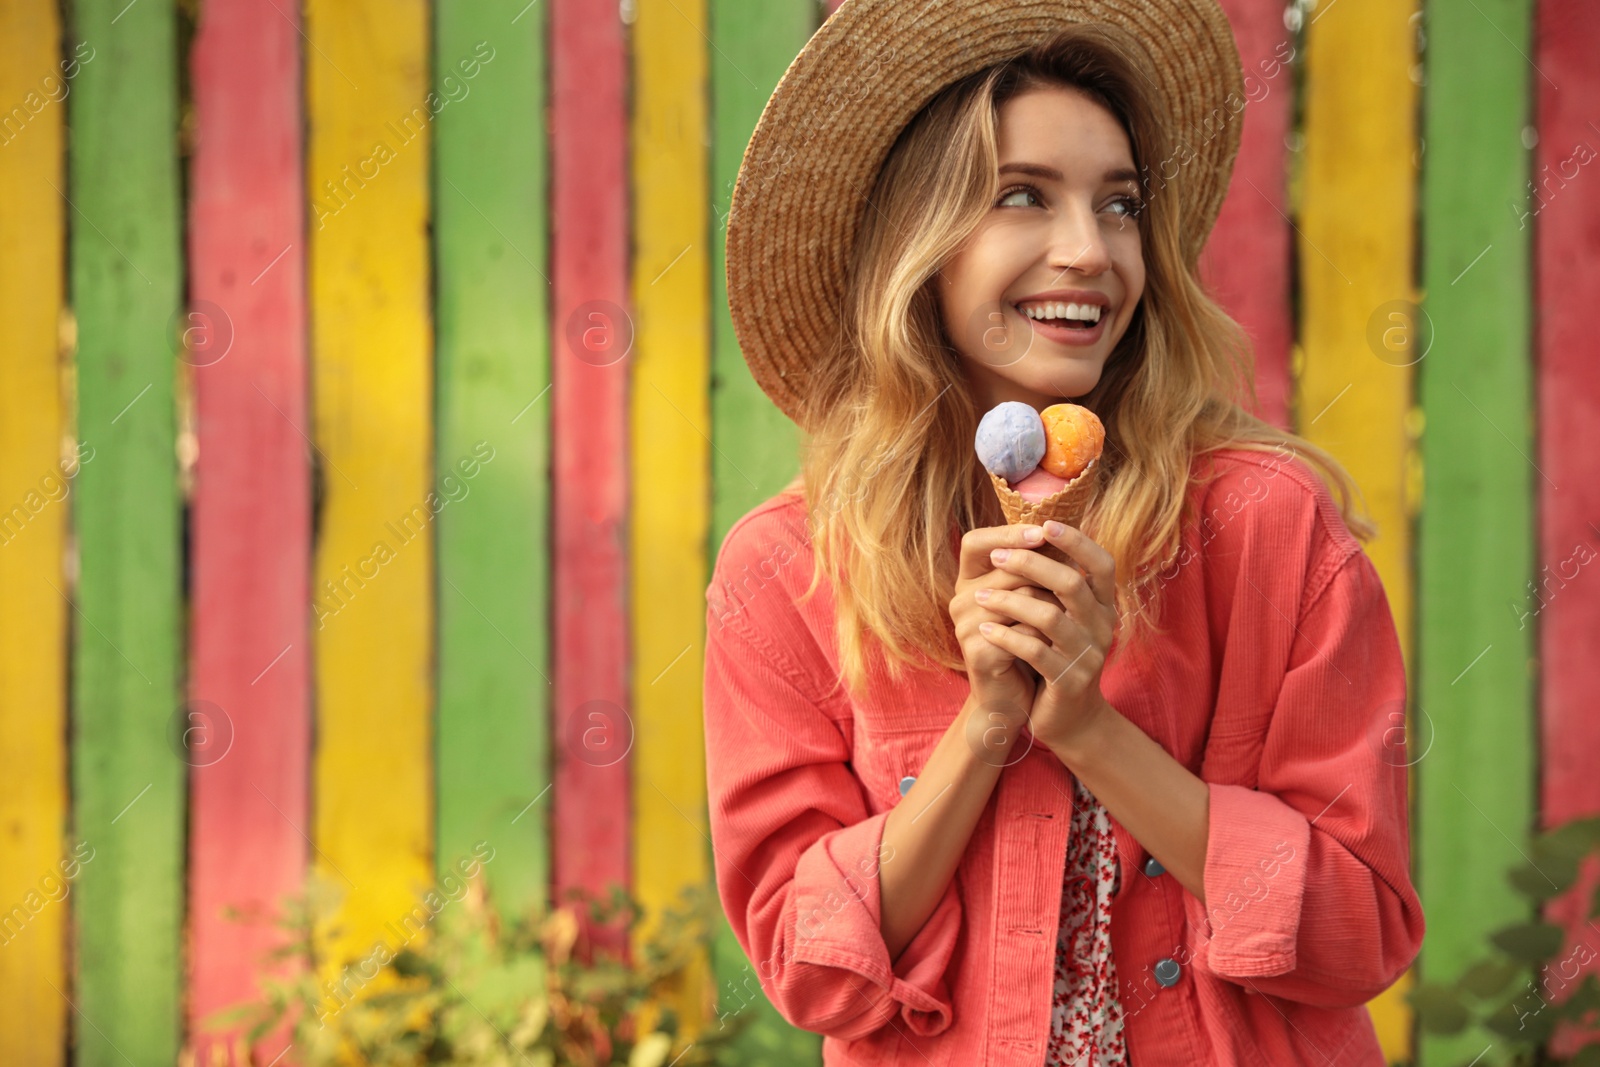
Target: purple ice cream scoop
<point>1010,440</point>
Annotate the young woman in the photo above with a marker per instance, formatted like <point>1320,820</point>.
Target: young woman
<point>971,804</point>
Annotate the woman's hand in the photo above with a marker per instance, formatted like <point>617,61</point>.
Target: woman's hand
<point>1063,635</point>
<point>1000,681</point>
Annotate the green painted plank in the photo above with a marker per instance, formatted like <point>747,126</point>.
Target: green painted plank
<point>1475,544</point>
<point>752,45</point>
<point>493,368</point>
<point>128,785</point>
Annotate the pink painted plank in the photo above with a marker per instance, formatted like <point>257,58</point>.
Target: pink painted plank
<point>589,259</point>
<point>251,504</point>
<point>1563,209</point>
<point>1246,263</point>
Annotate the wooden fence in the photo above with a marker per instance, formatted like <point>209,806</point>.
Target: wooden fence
<point>370,416</point>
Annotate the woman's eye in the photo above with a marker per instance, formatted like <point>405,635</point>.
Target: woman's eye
<point>1021,190</point>
<point>1131,206</point>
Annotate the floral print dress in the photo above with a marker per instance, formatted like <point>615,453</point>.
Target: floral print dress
<point>1086,1022</point>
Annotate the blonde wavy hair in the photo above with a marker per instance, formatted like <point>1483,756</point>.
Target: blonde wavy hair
<point>888,470</point>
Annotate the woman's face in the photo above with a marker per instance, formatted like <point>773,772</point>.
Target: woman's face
<point>1061,231</point>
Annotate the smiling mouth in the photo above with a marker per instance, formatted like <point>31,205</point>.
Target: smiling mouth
<point>1067,331</point>
<point>1065,322</point>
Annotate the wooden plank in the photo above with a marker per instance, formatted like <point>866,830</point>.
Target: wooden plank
<point>669,426</point>
<point>128,786</point>
<point>594,731</point>
<point>1563,214</point>
<point>1246,261</point>
<point>249,682</point>
<point>751,46</point>
<point>370,118</point>
<point>493,370</point>
<point>33,487</point>
<point>1475,541</point>
<point>1358,202</point>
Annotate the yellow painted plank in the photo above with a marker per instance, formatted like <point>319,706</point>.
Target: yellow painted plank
<point>33,515</point>
<point>670,420</point>
<point>370,116</point>
<point>1357,211</point>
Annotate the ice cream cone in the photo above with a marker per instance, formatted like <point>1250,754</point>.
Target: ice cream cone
<point>1067,505</point>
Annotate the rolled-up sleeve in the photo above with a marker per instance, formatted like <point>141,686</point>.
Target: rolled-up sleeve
<point>1307,875</point>
<point>797,851</point>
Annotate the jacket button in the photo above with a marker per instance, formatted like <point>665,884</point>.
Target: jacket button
<point>1167,972</point>
<point>906,783</point>
<point>1152,867</point>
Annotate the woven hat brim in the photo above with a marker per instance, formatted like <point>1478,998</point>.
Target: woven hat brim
<point>801,193</point>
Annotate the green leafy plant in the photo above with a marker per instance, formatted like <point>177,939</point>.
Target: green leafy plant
<point>1510,995</point>
<point>476,991</point>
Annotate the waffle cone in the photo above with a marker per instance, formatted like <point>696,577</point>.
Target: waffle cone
<point>1066,505</point>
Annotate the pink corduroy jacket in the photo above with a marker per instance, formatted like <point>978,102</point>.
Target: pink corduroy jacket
<point>1279,683</point>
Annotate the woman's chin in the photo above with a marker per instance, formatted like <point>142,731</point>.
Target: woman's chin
<point>1071,386</point>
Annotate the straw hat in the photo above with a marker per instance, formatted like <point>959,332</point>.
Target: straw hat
<point>801,193</point>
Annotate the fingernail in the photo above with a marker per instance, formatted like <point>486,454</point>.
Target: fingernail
<point>1054,528</point>
<point>987,627</point>
<point>1032,533</point>
<point>982,595</point>
<point>1000,554</point>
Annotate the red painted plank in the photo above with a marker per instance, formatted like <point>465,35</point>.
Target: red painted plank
<point>1246,263</point>
<point>1562,206</point>
<point>252,493</point>
<point>589,260</point>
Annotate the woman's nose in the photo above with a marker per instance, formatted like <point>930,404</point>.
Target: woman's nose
<point>1076,243</point>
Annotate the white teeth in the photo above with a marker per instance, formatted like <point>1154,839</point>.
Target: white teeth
<point>1082,312</point>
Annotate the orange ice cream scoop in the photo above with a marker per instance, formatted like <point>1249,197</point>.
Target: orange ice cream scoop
<point>1073,438</point>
